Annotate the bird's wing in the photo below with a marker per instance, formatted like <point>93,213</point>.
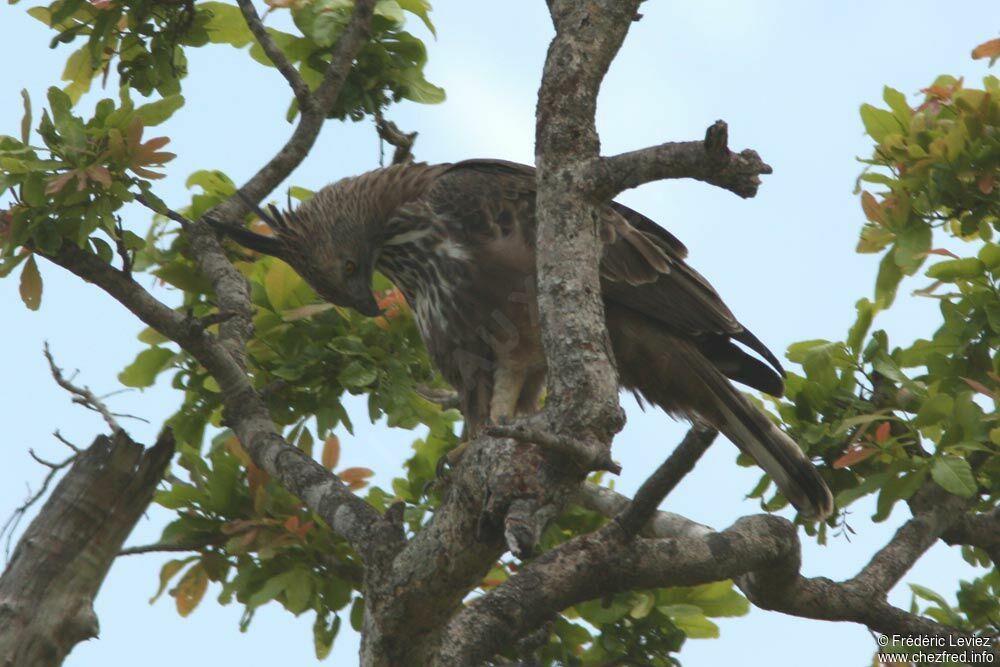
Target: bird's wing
<point>643,268</point>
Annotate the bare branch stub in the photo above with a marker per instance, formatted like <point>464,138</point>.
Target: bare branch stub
<point>64,555</point>
<point>709,160</point>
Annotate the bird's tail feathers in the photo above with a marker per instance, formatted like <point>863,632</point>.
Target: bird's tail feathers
<point>775,452</point>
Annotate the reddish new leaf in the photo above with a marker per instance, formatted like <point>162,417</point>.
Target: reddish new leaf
<point>855,454</point>
<point>355,478</point>
<point>57,183</point>
<point>990,49</point>
<point>980,387</point>
<point>882,432</point>
<point>331,452</point>
<point>871,208</point>
<point>986,183</point>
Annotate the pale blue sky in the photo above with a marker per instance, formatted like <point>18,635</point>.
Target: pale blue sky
<point>787,77</point>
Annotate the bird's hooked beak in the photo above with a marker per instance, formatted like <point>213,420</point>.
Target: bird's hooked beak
<point>360,297</point>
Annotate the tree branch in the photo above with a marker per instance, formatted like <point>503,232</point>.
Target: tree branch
<point>311,117</point>
<point>761,553</point>
<point>275,54</point>
<point>910,542</point>
<point>652,492</point>
<point>709,160</point>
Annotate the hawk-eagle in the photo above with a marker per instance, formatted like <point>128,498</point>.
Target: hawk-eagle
<point>459,241</point>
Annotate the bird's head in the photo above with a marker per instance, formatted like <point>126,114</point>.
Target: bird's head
<point>328,242</point>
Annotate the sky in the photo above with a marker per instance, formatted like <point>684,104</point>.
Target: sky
<point>787,77</point>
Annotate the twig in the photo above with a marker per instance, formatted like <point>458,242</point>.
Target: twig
<point>169,212</point>
<point>10,525</point>
<point>123,251</point>
<point>66,442</point>
<point>596,458</point>
<point>194,545</point>
<point>83,395</point>
<point>652,492</point>
<point>390,133</point>
<point>216,318</point>
<point>275,54</point>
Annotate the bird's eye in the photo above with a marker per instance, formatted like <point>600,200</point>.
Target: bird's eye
<point>349,268</point>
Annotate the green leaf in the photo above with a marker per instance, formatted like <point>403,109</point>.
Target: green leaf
<point>391,10</point>
<point>281,284</point>
<point>897,102</point>
<point>271,589</point>
<point>887,282</point>
<point>420,8</point>
<point>323,636</point>
<point>911,248</point>
<point>419,89</point>
<point>357,375</point>
<point>298,591</point>
<point>79,73</point>
<point>143,371</point>
<point>934,409</point>
<point>866,312</point>
<point>642,608</point>
<point>989,255</point>
<point>956,269</point>
<point>167,572</point>
<point>879,123</point>
<point>43,14</point>
<point>225,24</point>
<point>690,620</point>
<point>31,284</point>
<point>954,475</point>
<point>212,181</point>
<point>929,595</point>
<point>26,119</point>
<point>156,112</point>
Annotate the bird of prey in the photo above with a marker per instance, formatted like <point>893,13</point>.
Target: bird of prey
<point>459,241</point>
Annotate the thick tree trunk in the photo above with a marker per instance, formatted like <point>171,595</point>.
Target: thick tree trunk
<point>47,591</point>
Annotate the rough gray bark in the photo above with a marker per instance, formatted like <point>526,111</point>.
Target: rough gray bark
<point>48,589</point>
<point>516,478</point>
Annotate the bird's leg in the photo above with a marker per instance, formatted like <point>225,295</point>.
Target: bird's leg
<point>508,384</point>
<point>508,380</point>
